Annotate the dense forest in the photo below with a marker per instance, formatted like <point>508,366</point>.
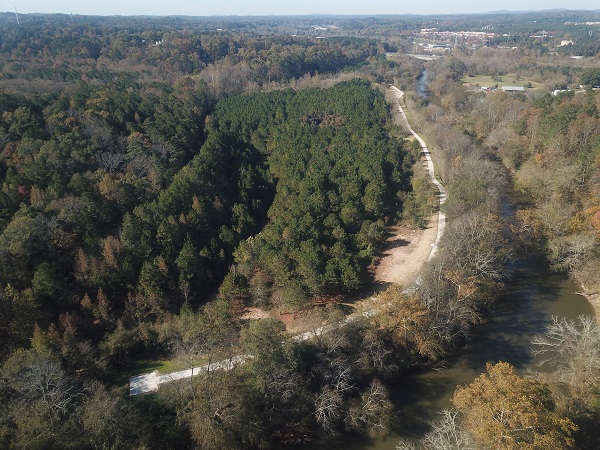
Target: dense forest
<point>161,175</point>
<point>143,206</point>
<point>132,226</point>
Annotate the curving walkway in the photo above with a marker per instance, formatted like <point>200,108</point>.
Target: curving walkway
<point>431,171</point>
<point>149,382</point>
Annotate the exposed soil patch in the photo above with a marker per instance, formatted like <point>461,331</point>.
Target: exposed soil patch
<point>253,313</point>
<point>404,254</point>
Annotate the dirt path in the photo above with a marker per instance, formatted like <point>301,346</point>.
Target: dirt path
<point>407,249</point>
<point>405,252</point>
<point>441,222</point>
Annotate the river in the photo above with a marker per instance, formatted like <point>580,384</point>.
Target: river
<point>529,301</point>
<point>528,304</point>
<point>422,89</point>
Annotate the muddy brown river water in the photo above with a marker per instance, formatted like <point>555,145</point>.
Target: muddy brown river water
<point>531,299</point>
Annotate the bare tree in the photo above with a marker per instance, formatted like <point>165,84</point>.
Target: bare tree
<point>446,434</point>
<point>474,244</point>
<point>405,444</point>
<point>40,379</point>
<point>376,355</point>
<point>329,405</point>
<point>449,315</point>
<point>573,347</point>
<point>569,252</point>
<point>111,161</point>
<point>372,411</point>
<point>284,386</point>
<point>46,380</point>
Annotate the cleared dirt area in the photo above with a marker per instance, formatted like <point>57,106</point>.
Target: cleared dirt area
<point>405,252</point>
<point>401,261</point>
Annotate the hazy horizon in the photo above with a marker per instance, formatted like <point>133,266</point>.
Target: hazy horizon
<point>277,8</point>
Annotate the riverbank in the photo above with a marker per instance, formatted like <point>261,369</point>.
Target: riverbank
<point>593,299</point>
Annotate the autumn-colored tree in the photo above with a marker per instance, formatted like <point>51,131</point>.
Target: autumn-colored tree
<point>407,320</point>
<point>502,410</point>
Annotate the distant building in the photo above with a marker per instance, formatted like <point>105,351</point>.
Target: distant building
<point>435,47</point>
<point>513,88</point>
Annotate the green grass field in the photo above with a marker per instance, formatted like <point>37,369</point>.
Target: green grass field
<point>506,80</point>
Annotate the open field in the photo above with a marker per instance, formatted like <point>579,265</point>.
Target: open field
<point>503,80</point>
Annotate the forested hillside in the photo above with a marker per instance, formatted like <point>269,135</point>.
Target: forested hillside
<point>338,178</point>
<point>145,202</point>
<point>161,175</point>
<point>129,228</point>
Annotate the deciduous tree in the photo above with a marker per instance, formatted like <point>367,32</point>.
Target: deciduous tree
<point>502,410</point>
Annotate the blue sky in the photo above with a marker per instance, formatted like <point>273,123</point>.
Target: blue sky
<point>282,7</point>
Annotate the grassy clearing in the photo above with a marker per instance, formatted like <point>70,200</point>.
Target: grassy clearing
<point>503,80</point>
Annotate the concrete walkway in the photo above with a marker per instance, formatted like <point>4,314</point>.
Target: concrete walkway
<point>149,382</point>
<point>430,170</point>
